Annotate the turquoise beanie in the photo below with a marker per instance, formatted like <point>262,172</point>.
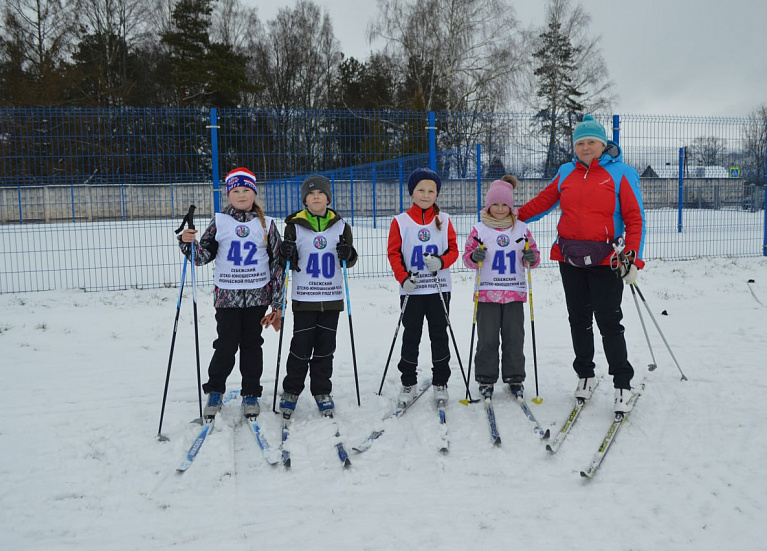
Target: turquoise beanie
<point>590,128</point>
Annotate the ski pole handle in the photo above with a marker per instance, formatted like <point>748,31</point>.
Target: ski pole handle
<point>188,219</point>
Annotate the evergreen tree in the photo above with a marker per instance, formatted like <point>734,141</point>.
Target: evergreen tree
<point>559,99</point>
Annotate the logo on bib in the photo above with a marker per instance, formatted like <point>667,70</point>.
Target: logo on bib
<point>503,240</point>
<point>424,234</point>
<point>242,231</point>
<point>320,242</point>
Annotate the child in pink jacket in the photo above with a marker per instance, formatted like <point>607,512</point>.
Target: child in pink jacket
<point>496,247</point>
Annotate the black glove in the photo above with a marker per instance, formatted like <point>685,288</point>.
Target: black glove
<point>289,253</point>
<point>478,255</point>
<point>345,251</point>
<point>529,256</point>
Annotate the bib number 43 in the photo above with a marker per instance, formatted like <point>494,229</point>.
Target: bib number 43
<point>416,258</point>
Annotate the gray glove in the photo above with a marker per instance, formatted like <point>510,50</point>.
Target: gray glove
<point>478,255</point>
<point>433,262</point>
<point>409,284</point>
<point>529,256</point>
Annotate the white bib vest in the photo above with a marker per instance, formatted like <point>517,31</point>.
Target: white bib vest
<point>242,260</point>
<point>321,276</point>
<point>418,239</point>
<point>503,268</point>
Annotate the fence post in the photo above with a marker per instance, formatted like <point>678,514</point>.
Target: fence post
<point>214,160</point>
<point>479,180</point>
<point>432,128</point>
<point>351,190</point>
<point>617,129</point>
<point>374,196</point>
<point>764,241</point>
<point>72,199</point>
<point>401,179</point>
<point>681,189</point>
<point>21,207</point>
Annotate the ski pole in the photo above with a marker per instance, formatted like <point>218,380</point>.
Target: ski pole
<point>351,333</point>
<point>474,319</point>
<point>282,331</point>
<point>537,399</point>
<point>160,436</point>
<point>684,377</point>
<point>653,365</point>
<point>393,341</point>
<point>452,336</point>
<point>190,215</point>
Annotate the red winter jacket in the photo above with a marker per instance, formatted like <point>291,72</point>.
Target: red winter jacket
<point>598,203</point>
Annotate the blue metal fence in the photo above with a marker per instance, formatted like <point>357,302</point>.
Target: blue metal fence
<point>89,198</point>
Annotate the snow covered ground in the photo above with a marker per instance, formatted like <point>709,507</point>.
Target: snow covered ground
<point>81,467</point>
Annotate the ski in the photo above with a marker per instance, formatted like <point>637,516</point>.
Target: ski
<point>401,409</point>
<point>543,434</point>
<point>263,443</point>
<point>580,403</point>
<point>444,442</point>
<point>196,445</point>
<point>285,454</point>
<point>494,435</point>
<point>609,438</point>
<point>202,435</point>
<point>343,456</point>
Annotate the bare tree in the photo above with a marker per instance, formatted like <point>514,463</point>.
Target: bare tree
<point>233,23</point>
<point>460,54</point>
<point>753,162</point>
<point>296,58</point>
<point>39,36</point>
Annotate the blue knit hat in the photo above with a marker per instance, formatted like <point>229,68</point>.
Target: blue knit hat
<point>240,177</point>
<point>590,128</point>
<point>422,174</point>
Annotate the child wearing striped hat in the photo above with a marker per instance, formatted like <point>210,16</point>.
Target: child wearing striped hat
<point>248,279</point>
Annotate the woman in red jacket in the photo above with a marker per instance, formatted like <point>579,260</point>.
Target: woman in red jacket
<point>422,247</point>
<point>600,201</point>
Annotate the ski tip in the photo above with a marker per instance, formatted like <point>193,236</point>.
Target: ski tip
<point>286,463</point>
<point>546,435</point>
<point>550,448</point>
<point>584,474</point>
<point>497,442</point>
<point>347,463</point>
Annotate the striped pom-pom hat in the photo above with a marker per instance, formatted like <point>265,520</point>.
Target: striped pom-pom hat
<point>240,177</point>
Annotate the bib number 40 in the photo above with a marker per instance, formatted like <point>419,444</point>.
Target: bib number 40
<point>321,264</point>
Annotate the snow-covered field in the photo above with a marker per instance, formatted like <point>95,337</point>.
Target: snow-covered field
<point>81,467</point>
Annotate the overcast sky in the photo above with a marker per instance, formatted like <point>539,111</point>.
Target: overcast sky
<point>675,57</point>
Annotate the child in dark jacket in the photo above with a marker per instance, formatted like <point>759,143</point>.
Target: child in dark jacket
<point>317,241</point>
<point>248,279</point>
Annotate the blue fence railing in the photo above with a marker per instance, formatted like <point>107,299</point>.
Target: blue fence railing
<point>89,197</point>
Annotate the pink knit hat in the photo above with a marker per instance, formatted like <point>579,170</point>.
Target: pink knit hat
<point>500,192</point>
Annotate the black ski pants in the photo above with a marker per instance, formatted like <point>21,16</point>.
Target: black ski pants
<point>596,293</point>
<point>311,351</point>
<point>429,307</point>
<point>237,328</point>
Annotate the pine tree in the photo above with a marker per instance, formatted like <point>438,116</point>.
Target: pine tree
<point>560,107</point>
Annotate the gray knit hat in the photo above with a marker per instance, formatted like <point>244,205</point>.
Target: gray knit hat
<point>315,181</point>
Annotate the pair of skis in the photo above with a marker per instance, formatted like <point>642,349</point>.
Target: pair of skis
<point>612,432</point>
<point>444,441</point>
<point>520,401</point>
<point>285,458</point>
<point>207,428</point>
